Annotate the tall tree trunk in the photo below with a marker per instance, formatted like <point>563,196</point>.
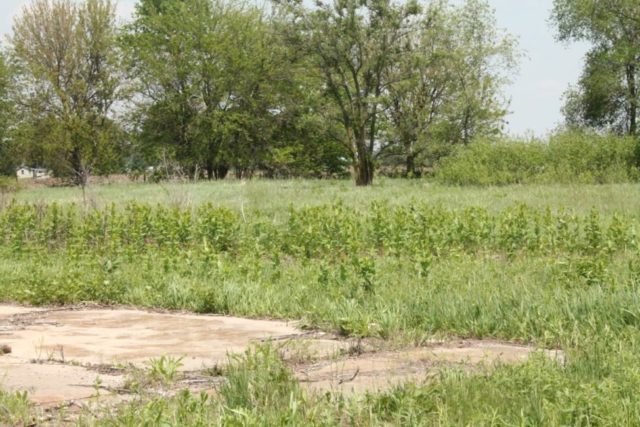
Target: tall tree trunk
<point>210,170</point>
<point>221,171</point>
<point>364,172</point>
<point>633,99</point>
<point>410,166</point>
<point>80,174</point>
<point>364,163</point>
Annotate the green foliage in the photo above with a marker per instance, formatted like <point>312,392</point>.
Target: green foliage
<point>447,88</point>
<point>16,409</point>
<point>164,369</point>
<point>493,163</point>
<point>8,157</point>
<point>324,232</point>
<point>258,380</point>
<point>208,87</point>
<point>352,46</point>
<point>8,185</point>
<point>396,270</point>
<point>223,91</point>
<point>67,87</point>
<point>336,267</point>
<point>402,79</point>
<point>569,157</point>
<point>608,94</point>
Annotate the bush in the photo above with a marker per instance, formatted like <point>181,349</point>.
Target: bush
<point>8,185</point>
<point>591,159</point>
<point>568,157</point>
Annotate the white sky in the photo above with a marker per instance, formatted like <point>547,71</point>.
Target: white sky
<point>544,74</point>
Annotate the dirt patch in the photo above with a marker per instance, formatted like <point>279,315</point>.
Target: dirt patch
<point>53,383</point>
<point>99,336</point>
<point>60,355</point>
<point>54,353</point>
<point>380,371</point>
<point>7,311</point>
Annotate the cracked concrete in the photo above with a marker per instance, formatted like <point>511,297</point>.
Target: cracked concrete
<point>72,354</point>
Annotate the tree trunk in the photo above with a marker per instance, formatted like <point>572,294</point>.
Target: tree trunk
<point>410,166</point>
<point>220,171</point>
<point>633,99</point>
<point>364,173</point>
<point>364,168</point>
<point>80,174</point>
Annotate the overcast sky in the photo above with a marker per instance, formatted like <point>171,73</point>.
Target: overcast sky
<point>545,72</point>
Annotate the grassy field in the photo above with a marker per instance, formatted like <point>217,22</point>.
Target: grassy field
<point>276,196</point>
<point>403,261</point>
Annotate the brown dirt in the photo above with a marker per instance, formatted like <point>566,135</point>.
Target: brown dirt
<point>58,354</point>
<point>380,371</point>
<point>52,349</point>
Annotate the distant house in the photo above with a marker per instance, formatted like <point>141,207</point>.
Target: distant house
<point>25,172</point>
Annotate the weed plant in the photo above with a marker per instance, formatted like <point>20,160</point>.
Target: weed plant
<point>554,278</point>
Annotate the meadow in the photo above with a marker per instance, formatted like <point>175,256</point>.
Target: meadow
<point>556,266</point>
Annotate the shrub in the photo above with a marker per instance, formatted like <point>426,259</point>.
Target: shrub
<point>8,185</point>
<point>568,157</point>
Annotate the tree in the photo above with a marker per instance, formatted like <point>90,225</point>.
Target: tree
<point>214,80</point>
<point>8,156</point>
<point>69,82</point>
<point>448,88</point>
<point>421,88</point>
<point>486,58</point>
<point>351,45</point>
<point>607,95</point>
<point>599,99</point>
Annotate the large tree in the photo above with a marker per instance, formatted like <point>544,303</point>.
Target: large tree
<point>8,156</point>
<point>422,88</point>
<point>69,82</point>
<point>218,87</point>
<point>352,44</point>
<point>448,89</point>
<point>608,94</point>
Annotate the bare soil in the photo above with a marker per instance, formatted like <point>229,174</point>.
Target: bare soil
<point>73,354</point>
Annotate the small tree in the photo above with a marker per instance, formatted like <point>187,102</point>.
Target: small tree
<point>447,89</point>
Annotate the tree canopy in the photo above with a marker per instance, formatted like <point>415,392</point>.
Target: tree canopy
<point>201,88</point>
<point>607,95</point>
<point>68,83</point>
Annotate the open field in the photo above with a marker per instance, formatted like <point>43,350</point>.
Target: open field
<point>387,269</point>
<point>276,196</point>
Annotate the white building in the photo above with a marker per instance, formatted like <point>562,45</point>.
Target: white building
<point>25,172</point>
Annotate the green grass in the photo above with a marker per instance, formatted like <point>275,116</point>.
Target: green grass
<point>275,196</point>
<point>15,409</point>
<point>561,271</point>
<point>261,391</point>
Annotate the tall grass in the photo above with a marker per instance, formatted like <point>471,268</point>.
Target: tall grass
<point>568,157</point>
<point>274,197</point>
<point>408,271</point>
<point>598,387</point>
<point>524,273</point>
<point>16,409</point>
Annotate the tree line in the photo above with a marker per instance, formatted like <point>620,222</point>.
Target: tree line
<point>204,88</point>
